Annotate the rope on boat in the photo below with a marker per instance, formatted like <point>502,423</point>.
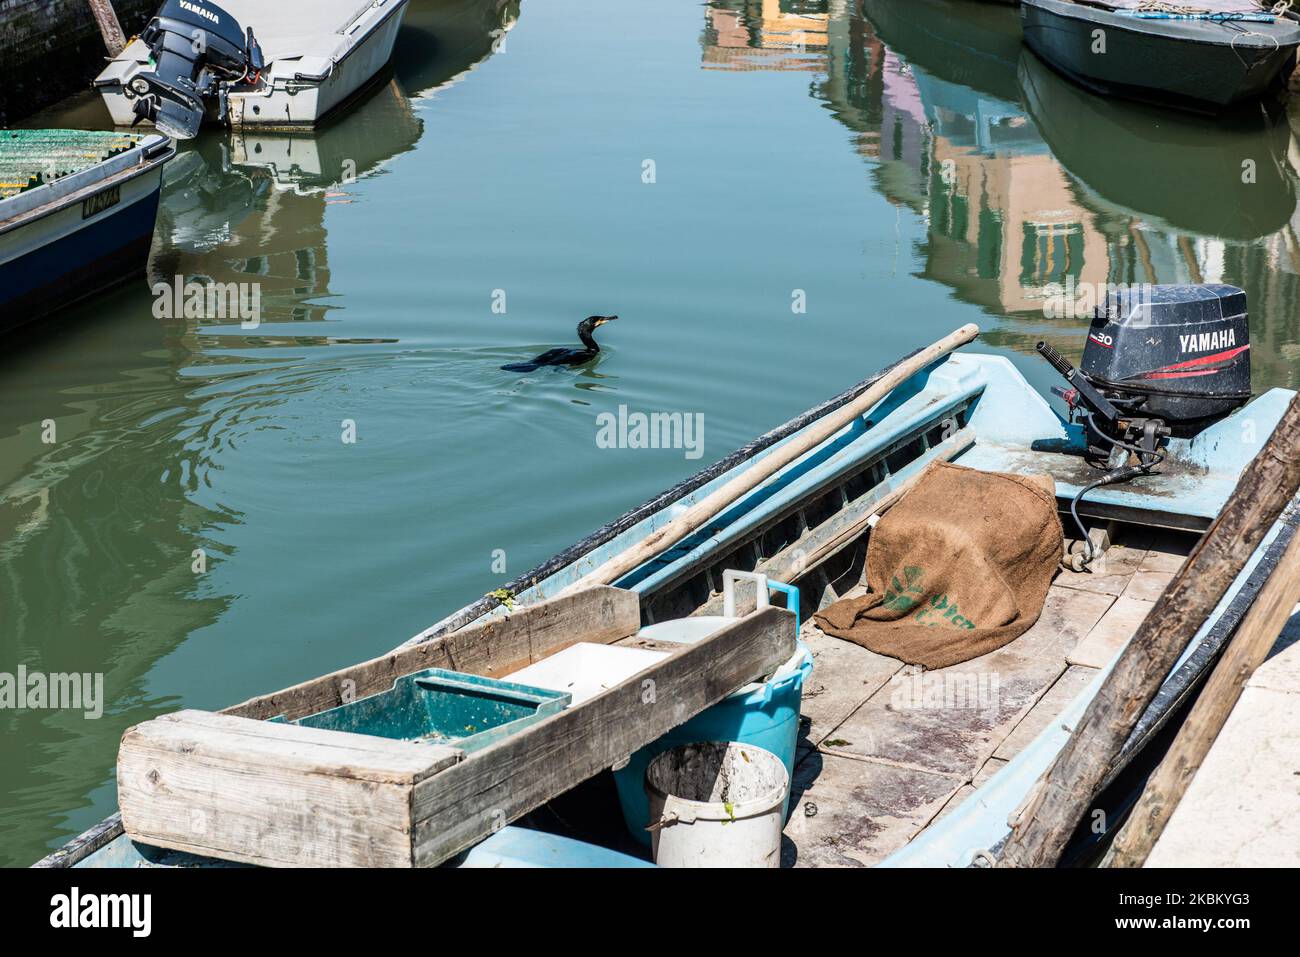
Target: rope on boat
<point>1163,10</point>
<point>1162,6</point>
<point>1249,65</point>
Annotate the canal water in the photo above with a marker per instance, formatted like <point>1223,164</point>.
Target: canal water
<point>776,198</point>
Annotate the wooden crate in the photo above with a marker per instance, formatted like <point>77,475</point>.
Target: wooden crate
<point>242,789</point>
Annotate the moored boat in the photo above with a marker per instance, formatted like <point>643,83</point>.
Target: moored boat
<point>1203,57</point>
<point>875,783</point>
<point>77,211</point>
<point>282,65</point>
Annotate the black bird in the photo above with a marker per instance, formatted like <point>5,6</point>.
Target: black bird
<point>567,357</point>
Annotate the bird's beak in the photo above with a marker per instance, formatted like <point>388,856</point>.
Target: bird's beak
<point>606,319</point>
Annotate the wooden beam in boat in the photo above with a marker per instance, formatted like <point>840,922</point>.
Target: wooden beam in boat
<point>494,648</point>
<point>1246,652</point>
<point>1062,797</point>
<point>468,802</point>
<point>266,793</point>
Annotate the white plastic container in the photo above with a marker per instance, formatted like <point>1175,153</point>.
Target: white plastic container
<point>586,669</point>
<point>717,804</point>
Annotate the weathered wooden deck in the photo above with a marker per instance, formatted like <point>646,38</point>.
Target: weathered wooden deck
<point>886,750</point>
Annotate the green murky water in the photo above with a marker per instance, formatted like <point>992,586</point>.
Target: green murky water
<point>903,167</point>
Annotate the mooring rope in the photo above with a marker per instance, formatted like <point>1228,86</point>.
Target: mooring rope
<point>1162,6</point>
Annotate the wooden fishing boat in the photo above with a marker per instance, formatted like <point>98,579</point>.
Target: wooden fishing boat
<point>875,782</point>
<point>1202,57</point>
<point>77,211</point>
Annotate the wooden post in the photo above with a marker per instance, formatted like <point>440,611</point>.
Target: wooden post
<point>1062,798</point>
<point>109,27</point>
<point>1251,644</point>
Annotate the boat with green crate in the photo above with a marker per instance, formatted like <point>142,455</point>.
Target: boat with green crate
<point>77,211</point>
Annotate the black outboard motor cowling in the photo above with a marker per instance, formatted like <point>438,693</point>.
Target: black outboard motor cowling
<point>1180,353</point>
<point>1160,361</point>
<point>198,49</point>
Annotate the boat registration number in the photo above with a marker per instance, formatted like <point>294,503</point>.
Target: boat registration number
<point>94,205</point>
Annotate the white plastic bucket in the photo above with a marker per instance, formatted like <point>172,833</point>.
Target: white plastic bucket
<point>717,804</point>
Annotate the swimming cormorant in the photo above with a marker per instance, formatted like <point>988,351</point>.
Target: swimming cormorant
<point>567,357</point>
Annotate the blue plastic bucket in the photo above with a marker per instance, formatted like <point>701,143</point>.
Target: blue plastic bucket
<point>765,715</point>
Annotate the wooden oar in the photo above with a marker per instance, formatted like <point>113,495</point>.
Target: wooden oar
<point>711,505</point>
<point>1247,651</point>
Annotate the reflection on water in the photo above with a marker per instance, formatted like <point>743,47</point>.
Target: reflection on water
<point>903,164</point>
<point>1025,180</point>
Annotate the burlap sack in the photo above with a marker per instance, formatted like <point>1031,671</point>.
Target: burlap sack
<point>958,567</point>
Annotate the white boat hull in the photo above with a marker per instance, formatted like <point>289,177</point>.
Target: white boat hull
<point>291,97</point>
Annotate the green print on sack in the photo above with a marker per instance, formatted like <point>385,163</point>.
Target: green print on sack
<point>942,610</point>
<point>899,594</point>
<point>905,592</point>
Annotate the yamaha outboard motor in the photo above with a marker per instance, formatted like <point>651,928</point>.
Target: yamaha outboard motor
<point>198,50</point>
<point>1159,361</point>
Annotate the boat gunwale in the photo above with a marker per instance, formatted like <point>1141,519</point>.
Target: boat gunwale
<point>919,432</point>
<point>146,163</point>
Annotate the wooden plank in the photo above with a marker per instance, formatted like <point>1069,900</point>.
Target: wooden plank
<point>844,676</point>
<point>954,802</point>
<point>991,767</point>
<point>1067,687</point>
<point>271,794</point>
<point>1112,633</point>
<point>1147,584</point>
<point>1168,553</point>
<point>852,813</point>
<point>1067,617</point>
<point>465,803</point>
<point>1242,808</point>
<point>493,648</point>
<point>950,720</point>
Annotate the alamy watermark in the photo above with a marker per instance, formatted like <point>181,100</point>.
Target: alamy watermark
<point>651,430</point>
<point>1080,300</point>
<point>59,691</point>
<point>914,689</point>
<point>178,299</point>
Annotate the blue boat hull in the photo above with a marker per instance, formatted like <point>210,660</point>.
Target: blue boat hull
<point>91,235</point>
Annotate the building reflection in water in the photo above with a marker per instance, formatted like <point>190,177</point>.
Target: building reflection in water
<point>767,34</point>
<point>1029,185</point>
